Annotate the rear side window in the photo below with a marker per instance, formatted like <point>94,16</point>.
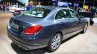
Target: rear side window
<point>73,14</point>
<point>38,12</point>
<point>67,13</point>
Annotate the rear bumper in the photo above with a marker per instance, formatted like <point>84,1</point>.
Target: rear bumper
<point>23,45</point>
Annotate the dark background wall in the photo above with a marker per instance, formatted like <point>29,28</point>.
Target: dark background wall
<point>49,2</point>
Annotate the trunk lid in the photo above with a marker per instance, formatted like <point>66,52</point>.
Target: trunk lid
<point>20,23</point>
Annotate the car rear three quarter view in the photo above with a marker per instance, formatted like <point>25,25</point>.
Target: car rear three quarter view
<point>45,27</point>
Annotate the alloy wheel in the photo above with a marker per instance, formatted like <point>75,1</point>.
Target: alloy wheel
<point>56,41</point>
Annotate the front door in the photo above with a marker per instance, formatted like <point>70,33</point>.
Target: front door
<point>78,22</point>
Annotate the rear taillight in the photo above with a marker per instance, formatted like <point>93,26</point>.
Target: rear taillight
<point>21,13</point>
<point>15,10</point>
<point>33,30</point>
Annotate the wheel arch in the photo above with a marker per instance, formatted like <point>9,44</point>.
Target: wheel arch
<point>55,33</point>
<point>60,33</point>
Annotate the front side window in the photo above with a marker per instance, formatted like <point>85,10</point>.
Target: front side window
<point>38,12</point>
<point>73,14</point>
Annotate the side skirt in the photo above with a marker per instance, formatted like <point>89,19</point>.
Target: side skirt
<point>71,34</point>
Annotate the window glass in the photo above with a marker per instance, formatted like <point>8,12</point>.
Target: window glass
<point>38,12</point>
<point>59,15</point>
<point>73,14</point>
<point>67,14</point>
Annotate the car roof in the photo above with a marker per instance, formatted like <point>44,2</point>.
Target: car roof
<point>54,7</point>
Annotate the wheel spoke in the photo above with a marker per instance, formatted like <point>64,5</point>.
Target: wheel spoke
<point>56,41</point>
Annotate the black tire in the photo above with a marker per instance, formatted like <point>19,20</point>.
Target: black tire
<point>85,28</point>
<point>50,47</point>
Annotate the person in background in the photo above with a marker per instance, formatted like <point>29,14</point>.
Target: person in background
<point>17,4</point>
<point>93,11</point>
<point>0,6</point>
<point>9,3</point>
<point>78,8</point>
<point>30,6</point>
<point>39,4</point>
<point>12,4</point>
<point>3,7</point>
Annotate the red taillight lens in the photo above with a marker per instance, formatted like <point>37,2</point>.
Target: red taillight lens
<point>21,13</point>
<point>33,30</point>
<point>15,10</point>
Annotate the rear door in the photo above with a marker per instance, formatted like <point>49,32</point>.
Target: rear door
<point>70,22</point>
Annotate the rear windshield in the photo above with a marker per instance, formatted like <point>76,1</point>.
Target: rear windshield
<point>38,12</point>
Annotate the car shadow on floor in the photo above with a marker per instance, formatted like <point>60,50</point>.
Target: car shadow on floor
<point>18,50</point>
<point>70,38</point>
